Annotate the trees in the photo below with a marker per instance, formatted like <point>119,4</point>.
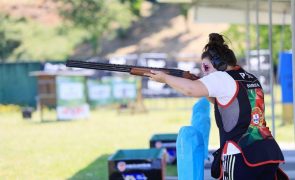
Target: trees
<point>98,17</point>
<point>237,35</point>
<point>8,41</point>
<point>135,6</point>
<point>81,21</point>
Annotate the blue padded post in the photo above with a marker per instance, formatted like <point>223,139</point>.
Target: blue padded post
<point>192,143</point>
<point>201,121</point>
<point>190,154</point>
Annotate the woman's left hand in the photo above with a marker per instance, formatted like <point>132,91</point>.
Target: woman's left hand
<point>158,76</point>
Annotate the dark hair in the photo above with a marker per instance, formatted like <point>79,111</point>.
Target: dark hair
<point>218,46</point>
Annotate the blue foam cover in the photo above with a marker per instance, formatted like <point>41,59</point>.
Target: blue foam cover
<point>190,154</point>
<point>192,143</point>
<point>201,121</point>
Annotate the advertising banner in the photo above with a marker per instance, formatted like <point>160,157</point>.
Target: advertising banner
<point>263,74</point>
<point>71,98</point>
<point>124,89</point>
<point>99,92</point>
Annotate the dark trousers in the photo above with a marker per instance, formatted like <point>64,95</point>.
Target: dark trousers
<point>234,168</point>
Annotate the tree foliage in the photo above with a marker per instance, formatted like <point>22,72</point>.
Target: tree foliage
<point>8,37</point>
<point>236,35</point>
<point>134,5</point>
<point>83,21</point>
<point>27,40</point>
<point>99,18</point>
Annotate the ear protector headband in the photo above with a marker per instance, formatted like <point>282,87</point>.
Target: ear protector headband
<point>217,62</point>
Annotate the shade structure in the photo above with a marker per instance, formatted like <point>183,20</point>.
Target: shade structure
<point>267,12</point>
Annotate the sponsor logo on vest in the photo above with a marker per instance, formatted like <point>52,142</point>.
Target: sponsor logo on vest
<point>242,75</point>
<point>245,74</point>
<point>253,85</point>
<point>256,118</point>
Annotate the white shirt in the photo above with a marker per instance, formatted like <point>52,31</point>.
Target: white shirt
<point>221,86</point>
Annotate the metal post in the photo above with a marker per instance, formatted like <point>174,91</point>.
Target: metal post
<point>248,36</point>
<point>258,37</point>
<point>282,47</point>
<point>271,67</point>
<point>293,56</point>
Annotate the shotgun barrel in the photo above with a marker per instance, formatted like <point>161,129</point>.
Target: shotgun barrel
<point>134,70</point>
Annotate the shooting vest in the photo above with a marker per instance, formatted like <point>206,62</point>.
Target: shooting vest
<point>242,122</point>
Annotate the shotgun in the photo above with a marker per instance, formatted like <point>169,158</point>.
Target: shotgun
<point>134,70</point>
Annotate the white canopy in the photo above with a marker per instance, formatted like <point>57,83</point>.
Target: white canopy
<point>248,12</point>
<point>234,11</point>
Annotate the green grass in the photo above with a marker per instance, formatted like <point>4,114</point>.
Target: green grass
<point>76,149</point>
<point>79,149</point>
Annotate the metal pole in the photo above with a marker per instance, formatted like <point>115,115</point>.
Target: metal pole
<point>247,36</point>
<point>282,47</point>
<point>293,56</point>
<point>271,67</point>
<point>258,37</point>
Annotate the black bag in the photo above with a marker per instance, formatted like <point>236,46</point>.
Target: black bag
<point>215,167</point>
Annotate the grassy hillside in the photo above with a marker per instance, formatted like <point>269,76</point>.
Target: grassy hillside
<point>44,36</point>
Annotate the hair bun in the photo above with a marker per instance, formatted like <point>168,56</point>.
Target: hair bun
<point>215,38</point>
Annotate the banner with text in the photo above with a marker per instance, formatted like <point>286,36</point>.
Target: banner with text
<point>71,98</point>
